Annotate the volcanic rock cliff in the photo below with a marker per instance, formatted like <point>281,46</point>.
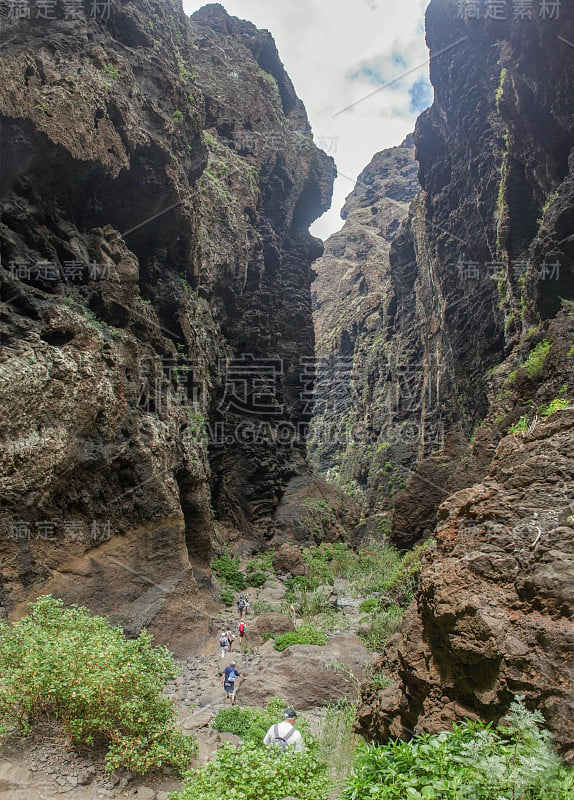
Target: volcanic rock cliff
<point>356,433</point>
<point>477,344</point>
<point>157,180</point>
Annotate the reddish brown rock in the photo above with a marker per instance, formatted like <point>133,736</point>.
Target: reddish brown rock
<point>287,560</point>
<point>304,677</point>
<point>493,614</point>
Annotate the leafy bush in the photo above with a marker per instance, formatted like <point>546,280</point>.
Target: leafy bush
<point>254,576</point>
<point>253,773</point>
<point>514,761</point>
<point>226,567</point>
<point>112,71</point>
<point>102,687</point>
<point>304,634</point>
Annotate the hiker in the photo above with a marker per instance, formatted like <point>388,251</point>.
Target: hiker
<point>247,604</point>
<point>241,630</point>
<point>230,638</point>
<point>223,644</point>
<point>229,676</point>
<point>284,734</point>
<point>240,606</point>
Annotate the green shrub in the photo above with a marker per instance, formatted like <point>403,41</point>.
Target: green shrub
<point>177,117</point>
<point>227,597</point>
<point>473,760</point>
<point>304,634</point>
<point>253,773</point>
<point>256,579</point>
<point>535,361</point>
<point>101,687</point>
<point>226,567</point>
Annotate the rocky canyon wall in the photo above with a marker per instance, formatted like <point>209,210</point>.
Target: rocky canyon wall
<point>157,180</point>
<point>468,402</point>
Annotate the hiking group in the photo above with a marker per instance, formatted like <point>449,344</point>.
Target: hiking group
<point>283,734</point>
<point>243,605</point>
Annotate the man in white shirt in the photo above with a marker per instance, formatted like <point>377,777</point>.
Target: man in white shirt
<point>284,735</point>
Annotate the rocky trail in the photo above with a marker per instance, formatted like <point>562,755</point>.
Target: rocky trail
<point>43,767</point>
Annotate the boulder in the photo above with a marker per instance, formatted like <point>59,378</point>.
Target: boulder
<point>269,623</point>
<point>288,560</point>
<point>303,675</point>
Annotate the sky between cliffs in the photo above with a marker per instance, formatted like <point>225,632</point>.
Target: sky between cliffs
<point>337,52</point>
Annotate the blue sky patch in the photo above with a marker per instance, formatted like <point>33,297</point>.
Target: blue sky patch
<point>421,94</point>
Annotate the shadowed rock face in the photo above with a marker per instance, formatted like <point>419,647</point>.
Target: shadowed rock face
<point>475,315</point>
<point>355,429</point>
<point>157,180</point>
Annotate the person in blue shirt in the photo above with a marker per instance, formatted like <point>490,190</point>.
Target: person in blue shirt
<point>229,676</point>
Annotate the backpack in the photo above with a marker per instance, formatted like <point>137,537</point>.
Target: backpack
<point>241,604</point>
<point>241,628</point>
<point>282,741</point>
<point>224,641</point>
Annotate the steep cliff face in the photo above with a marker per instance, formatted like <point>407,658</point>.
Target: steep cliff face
<point>480,318</point>
<point>158,177</point>
<point>356,433</point>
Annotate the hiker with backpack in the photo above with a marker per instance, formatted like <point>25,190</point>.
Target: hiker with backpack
<point>284,734</point>
<point>240,606</point>
<point>229,676</point>
<point>223,644</point>
<point>241,630</point>
<point>230,639</point>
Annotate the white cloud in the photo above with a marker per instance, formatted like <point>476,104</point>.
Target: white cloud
<point>336,52</point>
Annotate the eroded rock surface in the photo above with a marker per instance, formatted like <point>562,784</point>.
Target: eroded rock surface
<point>157,180</point>
<point>493,614</point>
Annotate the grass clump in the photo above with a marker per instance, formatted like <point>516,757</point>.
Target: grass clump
<point>522,426</point>
<point>381,625</point>
<point>558,404</point>
<point>102,687</point>
<point>535,361</point>
<point>474,760</point>
<point>304,634</point>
